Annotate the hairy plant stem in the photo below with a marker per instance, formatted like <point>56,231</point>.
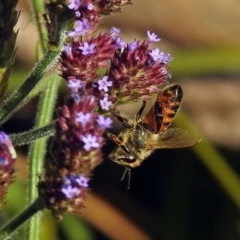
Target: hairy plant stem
<point>37,151</point>
<point>27,137</point>
<point>60,19</point>
<point>38,10</point>
<point>9,105</point>
<point>9,228</point>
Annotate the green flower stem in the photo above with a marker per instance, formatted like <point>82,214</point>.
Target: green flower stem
<point>62,18</point>
<point>38,10</point>
<point>39,87</point>
<point>27,137</point>
<point>10,227</point>
<point>38,149</point>
<point>8,106</point>
<point>213,161</point>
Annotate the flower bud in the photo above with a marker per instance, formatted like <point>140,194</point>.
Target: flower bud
<point>7,160</point>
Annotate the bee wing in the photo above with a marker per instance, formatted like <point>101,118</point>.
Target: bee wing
<point>164,109</point>
<point>175,138</point>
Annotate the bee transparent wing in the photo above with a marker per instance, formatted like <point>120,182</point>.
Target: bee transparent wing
<point>175,138</point>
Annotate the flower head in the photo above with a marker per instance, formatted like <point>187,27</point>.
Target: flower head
<point>115,31</point>
<point>74,85</point>
<point>70,192</point>
<point>90,141</point>
<point>7,161</point>
<point>82,26</point>
<point>105,104</point>
<point>136,72</point>
<point>104,84</point>
<point>133,45</point>
<point>82,60</point>
<point>104,122</point>
<point>87,48</point>
<point>152,37</point>
<point>83,118</point>
<point>74,4</point>
<point>160,56</point>
<point>82,181</point>
<point>76,151</point>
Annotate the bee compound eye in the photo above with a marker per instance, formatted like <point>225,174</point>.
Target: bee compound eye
<point>127,158</point>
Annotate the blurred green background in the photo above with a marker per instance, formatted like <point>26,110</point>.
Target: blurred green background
<point>185,194</point>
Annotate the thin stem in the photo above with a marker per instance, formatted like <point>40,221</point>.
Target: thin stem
<point>218,166</point>
<point>10,227</point>
<point>8,106</point>
<point>38,149</point>
<point>39,87</point>
<point>38,10</point>
<point>27,137</point>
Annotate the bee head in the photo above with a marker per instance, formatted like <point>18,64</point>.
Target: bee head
<point>123,156</point>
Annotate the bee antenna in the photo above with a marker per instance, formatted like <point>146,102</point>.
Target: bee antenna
<point>127,171</point>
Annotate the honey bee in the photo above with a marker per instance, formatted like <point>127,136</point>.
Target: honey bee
<point>144,135</point>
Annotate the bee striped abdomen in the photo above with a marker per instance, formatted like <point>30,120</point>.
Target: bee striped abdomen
<point>170,99</point>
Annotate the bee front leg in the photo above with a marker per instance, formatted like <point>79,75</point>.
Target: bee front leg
<point>114,138</point>
<point>123,120</point>
<point>118,141</point>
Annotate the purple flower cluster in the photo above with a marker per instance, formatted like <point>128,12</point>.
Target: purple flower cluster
<point>88,14</point>
<point>81,61</point>
<point>74,185</point>
<point>129,72</point>
<point>7,160</point>
<point>76,151</point>
<point>133,70</point>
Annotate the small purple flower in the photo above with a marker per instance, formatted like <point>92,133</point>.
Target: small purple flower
<point>115,31</point>
<point>66,181</point>
<point>155,54</point>
<point>104,122</point>
<point>83,118</point>
<point>90,6</point>
<point>70,192</point>
<point>68,48</point>
<point>74,4</point>
<point>75,96</point>
<point>118,42</point>
<point>132,46</point>
<point>5,140</point>
<point>73,34</point>
<point>74,85</point>
<point>105,104</point>
<point>160,56</point>
<point>90,141</point>
<point>104,84</point>
<point>88,49</point>
<point>152,37</point>
<point>82,181</point>
<point>3,161</point>
<point>82,26</point>
<point>165,58</point>
<point>77,14</point>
